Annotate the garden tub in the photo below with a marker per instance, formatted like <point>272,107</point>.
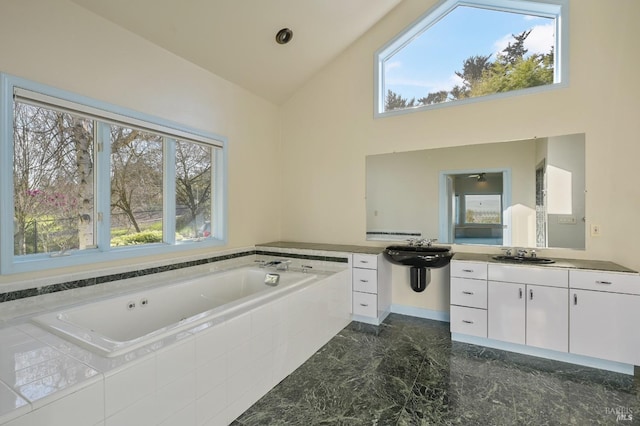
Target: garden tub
<point>120,324</point>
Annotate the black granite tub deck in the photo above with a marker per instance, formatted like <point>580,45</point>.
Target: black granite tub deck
<point>408,372</point>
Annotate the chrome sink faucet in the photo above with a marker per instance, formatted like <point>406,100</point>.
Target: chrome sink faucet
<point>279,265</point>
<point>414,242</point>
<point>419,242</point>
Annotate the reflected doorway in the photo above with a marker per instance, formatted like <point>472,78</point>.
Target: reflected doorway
<point>541,205</point>
<point>474,207</point>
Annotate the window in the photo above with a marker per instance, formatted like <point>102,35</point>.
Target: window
<point>194,168</point>
<point>91,182</point>
<point>136,187</point>
<point>53,178</point>
<point>483,209</point>
<point>464,50</point>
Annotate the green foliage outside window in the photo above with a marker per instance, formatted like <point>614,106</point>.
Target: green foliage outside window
<point>511,70</point>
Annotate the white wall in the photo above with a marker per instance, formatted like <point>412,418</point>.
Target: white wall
<point>56,42</point>
<point>328,129</point>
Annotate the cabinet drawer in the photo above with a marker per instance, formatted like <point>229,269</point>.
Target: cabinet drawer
<point>470,321</point>
<point>476,270</point>
<point>365,304</point>
<point>365,280</point>
<point>466,292</point>
<point>542,275</point>
<point>605,281</point>
<point>368,261</point>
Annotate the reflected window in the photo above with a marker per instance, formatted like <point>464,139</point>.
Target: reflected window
<point>483,209</point>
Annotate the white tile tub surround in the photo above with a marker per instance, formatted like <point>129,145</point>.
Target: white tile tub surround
<point>297,263</point>
<point>38,372</point>
<point>16,311</point>
<point>83,407</point>
<point>11,404</point>
<point>207,375</point>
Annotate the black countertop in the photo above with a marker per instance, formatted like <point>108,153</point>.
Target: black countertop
<point>598,265</point>
<point>326,247</point>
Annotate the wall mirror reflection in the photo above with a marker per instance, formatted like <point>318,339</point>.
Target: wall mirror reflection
<point>527,193</point>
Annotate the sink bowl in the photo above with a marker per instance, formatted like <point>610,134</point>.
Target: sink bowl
<point>419,256</point>
<point>523,259</point>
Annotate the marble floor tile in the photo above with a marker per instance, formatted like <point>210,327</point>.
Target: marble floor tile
<point>408,372</point>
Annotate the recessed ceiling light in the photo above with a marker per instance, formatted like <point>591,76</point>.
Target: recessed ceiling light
<point>284,36</point>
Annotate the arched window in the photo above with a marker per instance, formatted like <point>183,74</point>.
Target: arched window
<point>466,50</point>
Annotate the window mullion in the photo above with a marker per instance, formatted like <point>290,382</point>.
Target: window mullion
<point>6,174</point>
<point>219,202</point>
<point>169,191</point>
<point>103,186</point>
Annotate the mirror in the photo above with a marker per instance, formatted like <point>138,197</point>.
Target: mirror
<point>527,193</point>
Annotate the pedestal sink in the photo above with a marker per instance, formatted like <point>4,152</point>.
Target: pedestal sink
<point>420,258</point>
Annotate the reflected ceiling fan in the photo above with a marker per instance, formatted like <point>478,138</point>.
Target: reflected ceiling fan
<point>481,177</point>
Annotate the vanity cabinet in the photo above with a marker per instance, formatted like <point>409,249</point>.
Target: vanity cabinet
<point>468,311</point>
<point>604,315</point>
<point>371,284</point>
<point>556,309</point>
<point>506,319</point>
<point>528,306</point>
<point>528,314</point>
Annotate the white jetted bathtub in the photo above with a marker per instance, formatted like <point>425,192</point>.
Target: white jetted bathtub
<point>114,326</point>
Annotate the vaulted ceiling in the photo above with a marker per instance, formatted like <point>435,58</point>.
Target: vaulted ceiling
<point>235,39</point>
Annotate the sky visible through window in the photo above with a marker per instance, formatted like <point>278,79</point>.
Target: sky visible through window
<point>429,62</point>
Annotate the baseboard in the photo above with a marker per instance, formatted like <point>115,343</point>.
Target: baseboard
<point>414,311</point>
<point>586,361</point>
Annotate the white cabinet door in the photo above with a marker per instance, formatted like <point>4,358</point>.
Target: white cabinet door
<point>548,318</point>
<point>506,312</point>
<point>605,325</point>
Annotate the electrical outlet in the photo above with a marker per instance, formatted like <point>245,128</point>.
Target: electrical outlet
<point>595,230</point>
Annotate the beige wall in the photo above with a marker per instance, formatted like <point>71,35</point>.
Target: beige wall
<point>328,129</point>
<point>57,43</point>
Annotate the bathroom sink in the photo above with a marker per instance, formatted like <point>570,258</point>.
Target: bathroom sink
<point>523,259</point>
<point>419,256</point>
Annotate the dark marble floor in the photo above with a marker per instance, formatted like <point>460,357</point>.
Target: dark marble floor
<point>408,372</point>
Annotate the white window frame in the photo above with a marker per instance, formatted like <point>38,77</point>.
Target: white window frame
<point>103,112</point>
<point>556,9</point>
